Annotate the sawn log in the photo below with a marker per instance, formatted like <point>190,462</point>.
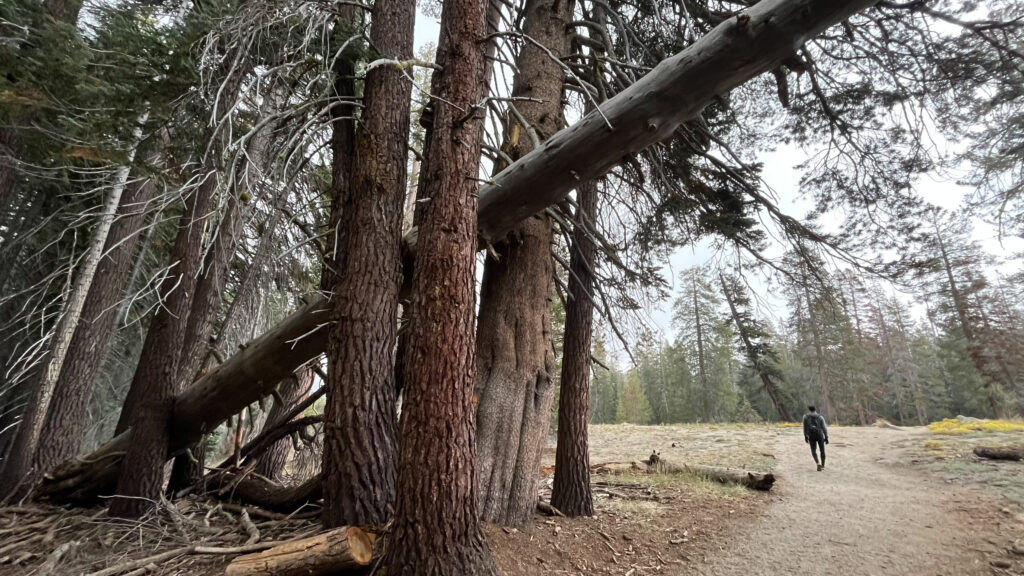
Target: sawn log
<point>675,91</point>
<point>340,550</point>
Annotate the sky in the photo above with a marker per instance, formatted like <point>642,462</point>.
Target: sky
<point>781,175</point>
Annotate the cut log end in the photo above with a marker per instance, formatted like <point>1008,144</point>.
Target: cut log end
<point>360,545</point>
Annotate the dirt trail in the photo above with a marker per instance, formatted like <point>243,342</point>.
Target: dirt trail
<point>866,514</point>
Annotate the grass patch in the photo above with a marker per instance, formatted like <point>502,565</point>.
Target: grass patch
<point>954,426</point>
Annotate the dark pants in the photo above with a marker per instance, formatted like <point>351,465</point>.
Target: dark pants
<point>816,444</point>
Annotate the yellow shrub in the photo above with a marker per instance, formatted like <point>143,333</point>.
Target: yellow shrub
<point>953,426</point>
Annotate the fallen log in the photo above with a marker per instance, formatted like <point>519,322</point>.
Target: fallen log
<point>1014,454</point>
<point>657,465</point>
<point>259,491</point>
<point>650,110</point>
<point>340,550</point>
<point>250,374</point>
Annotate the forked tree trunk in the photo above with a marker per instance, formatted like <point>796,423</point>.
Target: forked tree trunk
<point>436,528</point>
<point>158,372</point>
<point>360,417</point>
<point>675,91</point>
<point>292,391</point>
<point>514,357</point>
<point>571,491</point>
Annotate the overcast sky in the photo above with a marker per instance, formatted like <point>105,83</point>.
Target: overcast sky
<point>780,174</point>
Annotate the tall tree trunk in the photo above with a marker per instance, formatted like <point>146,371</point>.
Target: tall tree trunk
<point>159,370</point>
<point>64,427</point>
<point>702,371</point>
<point>819,354</point>
<point>571,492</point>
<point>748,346</point>
<point>514,355</point>
<point>360,414</point>
<point>292,391</point>
<point>19,461</point>
<point>678,89</point>
<point>343,144</point>
<point>190,467</point>
<point>993,392</point>
<point>436,528</point>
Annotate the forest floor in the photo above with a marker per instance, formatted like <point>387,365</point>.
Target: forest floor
<point>902,502</point>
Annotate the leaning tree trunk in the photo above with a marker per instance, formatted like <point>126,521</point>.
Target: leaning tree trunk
<point>158,372</point>
<point>436,529</point>
<point>64,427</point>
<point>360,447</point>
<point>571,491</point>
<point>291,391</point>
<point>189,468</point>
<point>675,91</point>
<point>18,466</point>
<point>514,352</point>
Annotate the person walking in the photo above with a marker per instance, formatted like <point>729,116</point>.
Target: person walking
<point>816,434</point>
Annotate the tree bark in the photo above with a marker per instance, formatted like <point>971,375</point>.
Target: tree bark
<point>338,551</point>
<point>677,91</point>
<point>19,462</point>
<point>292,391</point>
<point>514,358</point>
<point>360,413</point>
<point>158,373</point>
<point>571,491</point>
<point>64,426</point>
<point>436,528</point>
<point>209,297</point>
<point>265,494</point>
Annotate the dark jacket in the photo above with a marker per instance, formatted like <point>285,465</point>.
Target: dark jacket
<point>814,427</point>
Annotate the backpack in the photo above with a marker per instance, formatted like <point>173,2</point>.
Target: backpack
<point>814,426</point>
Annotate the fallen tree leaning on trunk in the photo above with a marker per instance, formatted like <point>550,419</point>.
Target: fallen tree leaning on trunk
<point>259,491</point>
<point>340,550</point>
<point>656,465</point>
<point>648,111</point>
<point>1000,452</point>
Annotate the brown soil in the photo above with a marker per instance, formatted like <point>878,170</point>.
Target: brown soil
<point>879,508</point>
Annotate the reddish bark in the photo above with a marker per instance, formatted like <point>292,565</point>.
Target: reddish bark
<point>514,350</point>
<point>571,491</point>
<point>436,529</point>
<point>67,417</point>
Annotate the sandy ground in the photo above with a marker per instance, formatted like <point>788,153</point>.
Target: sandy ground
<point>868,513</point>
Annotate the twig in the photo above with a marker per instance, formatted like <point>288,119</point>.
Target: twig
<point>250,528</point>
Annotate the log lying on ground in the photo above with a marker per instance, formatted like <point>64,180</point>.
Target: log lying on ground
<point>1015,454</point>
<point>259,491</point>
<point>340,550</point>
<point>250,374</point>
<point>657,465</point>
<point>650,110</point>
